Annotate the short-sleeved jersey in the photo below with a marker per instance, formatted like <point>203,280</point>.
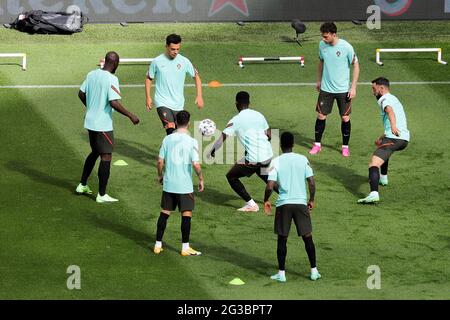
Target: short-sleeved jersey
<point>336,66</point>
<point>100,88</point>
<point>400,117</point>
<point>250,126</point>
<point>170,75</point>
<point>290,171</point>
<point>178,150</point>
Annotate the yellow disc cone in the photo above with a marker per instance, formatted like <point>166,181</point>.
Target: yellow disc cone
<point>237,282</point>
<point>120,163</point>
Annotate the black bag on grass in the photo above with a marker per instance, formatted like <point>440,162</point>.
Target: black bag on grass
<point>43,22</point>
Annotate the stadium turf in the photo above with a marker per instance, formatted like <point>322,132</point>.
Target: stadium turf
<point>46,227</point>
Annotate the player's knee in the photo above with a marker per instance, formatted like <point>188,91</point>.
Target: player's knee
<point>321,116</point>
<point>170,125</point>
<point>306,236</point>
<point>187,214</point>
<point>106,156</point>
<point>345,118</point>
<point>375,163</point>
<point>230,177</point>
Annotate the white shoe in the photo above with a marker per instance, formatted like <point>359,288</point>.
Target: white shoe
<point>278,277</point>
<point>106,198</point>
<point>315,276</point>
<point>383,181</point>
<point>373,197</point>
<point>83,189</point>
<point>249,208</point>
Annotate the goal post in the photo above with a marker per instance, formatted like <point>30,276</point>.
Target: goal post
<point>129,61</point>
<point>270,59</point>
<point>16,55</point>
<point>380,50</point>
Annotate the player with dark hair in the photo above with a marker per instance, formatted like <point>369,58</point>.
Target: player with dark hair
<point>254,133</point>
<point>396,137</point>
<point>100,94</point>
<point>170,69</point>
<point>177,156</point>
<point>333,83</point>
<point>289,173</point>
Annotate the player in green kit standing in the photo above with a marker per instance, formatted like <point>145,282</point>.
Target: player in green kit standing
<point>170,69</point>
<point>177,156</point>
<point>254,133</point>
<point>396,137</point>
<point>333,83</point>
<point>100,93</point>
<point>289,172</point>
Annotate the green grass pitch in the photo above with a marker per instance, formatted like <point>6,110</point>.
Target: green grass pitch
<point>45,227</point>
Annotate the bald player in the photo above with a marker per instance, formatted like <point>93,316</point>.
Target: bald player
<point>100,93</point>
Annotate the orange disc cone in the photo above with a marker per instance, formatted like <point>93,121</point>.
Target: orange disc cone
<point>214,84</point>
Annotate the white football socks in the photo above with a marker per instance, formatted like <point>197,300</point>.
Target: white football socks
<point>251,203</point>
<point>185,246</point>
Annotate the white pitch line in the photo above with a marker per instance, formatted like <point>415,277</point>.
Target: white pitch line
<point>47,86</point>
<point>251,84</point>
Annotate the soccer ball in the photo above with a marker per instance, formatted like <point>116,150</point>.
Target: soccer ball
<point>73,9</point>
<point>207,127</point>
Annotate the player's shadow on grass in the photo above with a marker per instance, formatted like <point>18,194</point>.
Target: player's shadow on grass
<point>39,176</point>
<point>243,260</point>
<point>300,140</point>
<point>10,64</point>
<point>144,240</point>
<point>136,151</point>
<point>216,197</point>
<point>343,175</point>
<point>307,143</point>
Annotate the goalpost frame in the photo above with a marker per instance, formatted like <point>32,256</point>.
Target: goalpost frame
<point>17,55</point>
<point>263,59</point>
<point>380,50</point>
<point>129,60</point>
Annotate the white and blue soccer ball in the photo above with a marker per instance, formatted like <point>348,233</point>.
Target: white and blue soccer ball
<point>73,9</point>
<point>207,127</point>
